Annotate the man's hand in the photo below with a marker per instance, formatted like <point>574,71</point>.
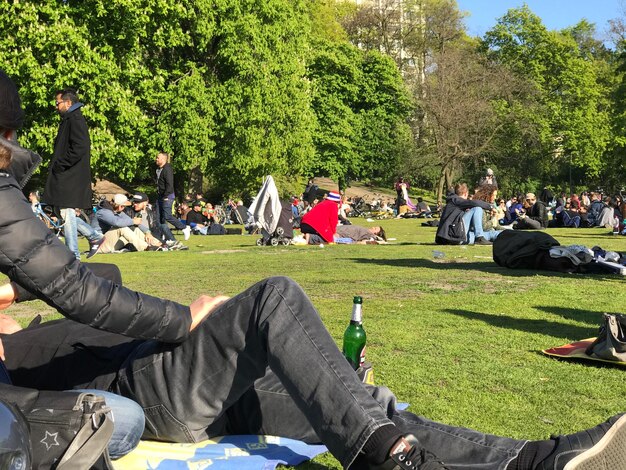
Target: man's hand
<point>2,351</point>
<point>8,325</point>
<point>202,307</point>
<point>7,295</point>
<point>151,240</point>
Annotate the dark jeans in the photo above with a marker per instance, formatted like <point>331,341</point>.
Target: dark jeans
<point>217,382</point>
<point>527,224</point>
<point>314,237</point>
<point>164,214</point>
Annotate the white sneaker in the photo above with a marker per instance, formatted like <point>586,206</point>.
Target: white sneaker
<point>187,232</point>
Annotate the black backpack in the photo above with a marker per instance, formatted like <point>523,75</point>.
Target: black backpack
<point>451,229</point>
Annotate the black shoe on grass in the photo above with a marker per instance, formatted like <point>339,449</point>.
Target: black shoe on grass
<point>94,247</point>
<point>407,454</point>
<point>600,448</point>
<point>482,241</point>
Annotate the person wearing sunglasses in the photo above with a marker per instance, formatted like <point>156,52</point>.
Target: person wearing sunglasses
<point>535,215</point>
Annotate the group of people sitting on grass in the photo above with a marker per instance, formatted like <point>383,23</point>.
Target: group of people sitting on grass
<point>591,209</point>
<point>480,217</point>
<point>117,225</point>
<point>132,225</point>
<point>200,216</point>
<point>126,223</point>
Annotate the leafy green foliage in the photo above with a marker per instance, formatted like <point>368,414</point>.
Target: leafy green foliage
<point>222,85</point>
<point>571,118</point>
<point>362,106</point>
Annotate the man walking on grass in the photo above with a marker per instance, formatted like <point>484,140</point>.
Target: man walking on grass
<point>166,196</point>
<point>68,187</point>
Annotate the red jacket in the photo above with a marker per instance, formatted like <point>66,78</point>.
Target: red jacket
<point>323,218</point>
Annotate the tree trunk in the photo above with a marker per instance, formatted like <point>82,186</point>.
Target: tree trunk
<point>449,176</point>
<point>194,182</point>
<point>446,179</point>
<point>440,187</point>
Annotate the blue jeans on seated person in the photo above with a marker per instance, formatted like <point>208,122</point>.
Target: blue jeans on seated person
<point>72,225</point>
<point>569,221</point>
<point>473,222</point>
<point>199,229</point>
<point>128,422</point>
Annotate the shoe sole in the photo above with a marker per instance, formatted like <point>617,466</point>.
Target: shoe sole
<point>608,454</point>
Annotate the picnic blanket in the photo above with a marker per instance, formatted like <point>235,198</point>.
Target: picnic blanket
<point>576,350</point>
<point>221,453</point>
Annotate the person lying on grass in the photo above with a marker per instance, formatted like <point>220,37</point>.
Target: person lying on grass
<point>361,235</point>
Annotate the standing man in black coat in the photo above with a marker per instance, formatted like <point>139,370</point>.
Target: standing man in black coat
<point>166,196</point>
<point>68,187</point>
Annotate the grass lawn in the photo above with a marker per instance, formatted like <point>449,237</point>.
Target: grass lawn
<point>458,338</point>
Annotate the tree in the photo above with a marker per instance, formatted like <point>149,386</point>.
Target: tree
<point>233,89</point>
<point>467,101</point>
<point>44,49</point>
<point>361,106</point>
<point>572,98</point>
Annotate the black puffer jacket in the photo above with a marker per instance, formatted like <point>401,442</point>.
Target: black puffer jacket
<point>450,230</point>
<point>36,260</point>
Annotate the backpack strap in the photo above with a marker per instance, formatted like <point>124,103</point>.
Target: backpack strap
<point>88,446</point>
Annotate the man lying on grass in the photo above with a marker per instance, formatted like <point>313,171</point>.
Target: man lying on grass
<point>361,235</point>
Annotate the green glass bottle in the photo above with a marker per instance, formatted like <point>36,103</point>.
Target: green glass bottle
<point>354,338</point>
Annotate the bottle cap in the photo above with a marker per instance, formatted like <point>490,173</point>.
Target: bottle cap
<point>358,299</point>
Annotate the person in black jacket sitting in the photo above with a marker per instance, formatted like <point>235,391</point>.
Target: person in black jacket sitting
<point>462,220</point>
<point>534,216</point>
<point>198,222</point>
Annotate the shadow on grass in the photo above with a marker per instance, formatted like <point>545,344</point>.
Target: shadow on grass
<point>311,466</point>
<point>544,327</point>
<point>446,265</point>
<point>488,267</point>
<point>584,362</point>
<point>577,314</point>
<point>574,235</point>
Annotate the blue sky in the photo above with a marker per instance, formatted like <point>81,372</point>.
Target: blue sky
<point>556,14</point>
